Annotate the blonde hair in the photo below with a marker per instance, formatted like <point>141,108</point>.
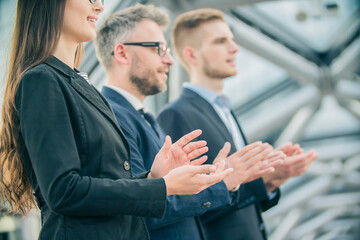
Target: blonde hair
<point>185,27</point>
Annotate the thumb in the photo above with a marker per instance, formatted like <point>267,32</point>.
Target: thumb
<point>223,153</point>
<point>167,145</point>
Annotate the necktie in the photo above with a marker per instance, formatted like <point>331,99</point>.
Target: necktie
<point>230,121</point>
<point>154,125</point>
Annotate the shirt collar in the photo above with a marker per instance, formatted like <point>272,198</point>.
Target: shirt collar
<point>205,93</point>
<point>209,95</point>
<point>136,103</point>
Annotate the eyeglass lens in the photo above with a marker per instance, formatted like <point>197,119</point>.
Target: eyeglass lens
<point>162,49</point>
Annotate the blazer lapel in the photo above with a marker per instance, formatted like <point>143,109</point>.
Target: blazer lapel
<point>207,110</point>
<point>86,90</point>
<point>117,98</point>
<point>94,97</point>
<point>241,131</point>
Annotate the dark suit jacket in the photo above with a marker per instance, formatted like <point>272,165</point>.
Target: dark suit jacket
<point>77,160</point>
<point>179,221</point>
<point>242,220</point>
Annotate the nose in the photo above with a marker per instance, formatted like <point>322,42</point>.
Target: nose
<point>233,47</point>
<point>99,7</point>
<point>168,59</point>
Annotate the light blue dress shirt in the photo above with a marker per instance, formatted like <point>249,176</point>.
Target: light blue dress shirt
<point>222,106</point>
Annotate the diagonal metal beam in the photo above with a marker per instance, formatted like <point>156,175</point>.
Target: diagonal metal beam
<point>316,223</point>
<point>286,225</point>
<point>318,186</point>
<point>347,63</point>
<point>262,45</point>
<point>278,116</point>
<point>348,89</point>
<point>224,4</point>
<point>298,123</point>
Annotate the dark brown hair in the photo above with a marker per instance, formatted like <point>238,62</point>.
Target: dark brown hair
<point>37,29</point>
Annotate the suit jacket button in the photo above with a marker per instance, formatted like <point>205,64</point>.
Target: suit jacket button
<point>206,205</point>
<point>126,165</point>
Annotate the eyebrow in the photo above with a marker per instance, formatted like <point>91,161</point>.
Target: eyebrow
<point>219,38</point>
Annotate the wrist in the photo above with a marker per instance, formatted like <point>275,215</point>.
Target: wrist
<point>169,189</point>
<point>274,184</point>
<point>270,187</point>
<point>231,186</point>
<point>235,188</point>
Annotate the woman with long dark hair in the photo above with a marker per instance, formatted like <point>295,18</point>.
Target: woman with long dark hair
<point>61,148</point>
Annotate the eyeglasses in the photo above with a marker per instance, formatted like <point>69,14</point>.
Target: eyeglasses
<point>94,1</point>
<point>163,48</point>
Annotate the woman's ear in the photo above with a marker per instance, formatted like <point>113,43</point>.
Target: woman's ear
<point>120,54</point>
<point>190,55</point>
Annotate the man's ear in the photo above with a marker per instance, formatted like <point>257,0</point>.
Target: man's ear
<point>190,55</point>
<point>120,54</point>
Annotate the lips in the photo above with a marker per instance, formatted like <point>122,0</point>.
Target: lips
<point>165,71</point>
<point>92,19</point>
<point>231,61</point>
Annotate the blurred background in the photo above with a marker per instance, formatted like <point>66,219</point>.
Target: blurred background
<point>298,80</point>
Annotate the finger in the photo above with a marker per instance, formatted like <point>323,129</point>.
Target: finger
<point>208,180</point>
<point>202,169</point>
<point>225,173</point>
<point>223,153</point>
<point>299,151</point>
<point>199,161</point>
<point>275,163</point>
<point>188,137</point>
<point>248,148</point>
<point>274,154</point>
<point>269,146</point>
<point>166,146</point>
<point>255,156</point>
<point>278,156</point>
<point>220,166</point>
<point>198,152</point>
<point>261,173</point>
<point>296,147</point>
<point>194,145</point>
<point>218,176</point>
<point>266,165</point>
<point>285,147</point>
<point>314,155</point>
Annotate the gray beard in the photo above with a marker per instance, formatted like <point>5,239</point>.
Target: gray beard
<point>144,86</point>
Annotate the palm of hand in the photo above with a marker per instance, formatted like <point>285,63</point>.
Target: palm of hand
<point>178,155</point>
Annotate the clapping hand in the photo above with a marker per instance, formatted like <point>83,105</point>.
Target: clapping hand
<point>295,164</point>
<point>178,154</point>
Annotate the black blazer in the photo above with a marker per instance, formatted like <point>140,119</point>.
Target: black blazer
<point>243,219</point>
<point>77,160</point>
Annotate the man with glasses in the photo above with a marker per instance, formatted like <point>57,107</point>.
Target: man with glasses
<point>132,48</point>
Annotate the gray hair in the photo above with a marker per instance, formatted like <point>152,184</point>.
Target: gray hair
<point>118,26</point>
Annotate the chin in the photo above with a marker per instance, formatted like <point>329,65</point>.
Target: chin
<point>232,72</point>
<point>88,37</point>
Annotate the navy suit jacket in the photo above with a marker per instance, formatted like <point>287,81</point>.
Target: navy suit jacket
<point>239,221</point>
<point>180,220</point>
